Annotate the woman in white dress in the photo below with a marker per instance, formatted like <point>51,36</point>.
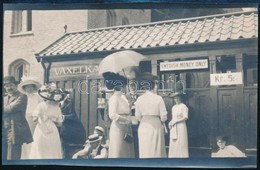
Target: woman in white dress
<point>120,114</point>
<point>47,144</point>
<point>150,110</point>
<point>29,86</point>
<point>178,130</point>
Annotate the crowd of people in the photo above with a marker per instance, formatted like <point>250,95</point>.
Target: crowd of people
<point>39,122</point>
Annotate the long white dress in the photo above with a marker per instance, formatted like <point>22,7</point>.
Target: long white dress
<point>33,100</point>
<point>178,133</point>
<point>151,112</point>
<point>118,109</point>
<point>47,144</point>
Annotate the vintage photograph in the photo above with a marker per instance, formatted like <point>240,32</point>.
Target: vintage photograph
<point>161,83</point>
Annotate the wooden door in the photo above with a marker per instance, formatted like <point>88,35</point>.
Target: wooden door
<point>250,109</point>
<point>229,123</point>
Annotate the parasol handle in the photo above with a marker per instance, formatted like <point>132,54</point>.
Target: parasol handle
<point>124,72</point>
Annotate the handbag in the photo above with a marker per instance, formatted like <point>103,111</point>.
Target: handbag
<point>128,137</point>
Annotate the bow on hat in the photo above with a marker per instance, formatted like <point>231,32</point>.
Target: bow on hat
<point>51,92</point>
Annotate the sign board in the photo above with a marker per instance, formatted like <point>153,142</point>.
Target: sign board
<point>184,65</point>
<point>226,79</point>
<point>74,70</point>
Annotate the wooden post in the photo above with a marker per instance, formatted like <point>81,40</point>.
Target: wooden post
<point>213,106</point>
<point>240,128</point>
<point>154,67</point>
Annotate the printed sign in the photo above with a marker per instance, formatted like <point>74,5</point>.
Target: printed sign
<point>184,65</point>
<point>226,79</point>
<point>74,70</point>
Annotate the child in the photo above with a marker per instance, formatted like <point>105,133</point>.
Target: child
<point>226,150</point>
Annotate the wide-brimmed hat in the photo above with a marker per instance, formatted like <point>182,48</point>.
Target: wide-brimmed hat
<point>114,80</point>
<point>147,76</point>
<point>10,79</point>
<point>94,138</point>
<point>100,129</point>
<point>28,81</point>
<point>51,92</point>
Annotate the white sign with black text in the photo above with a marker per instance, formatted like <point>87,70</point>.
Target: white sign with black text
<point>184,65</point>
<point>226,79</point>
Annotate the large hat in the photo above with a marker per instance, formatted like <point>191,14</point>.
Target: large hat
<point>10,79</point>
<point>100,129</point>
<point>94,138</point>
<point>51,92</point>
<point>114,80</point>
<point>28,81</point>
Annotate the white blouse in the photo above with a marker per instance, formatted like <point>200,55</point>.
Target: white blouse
<point>150,104</point>
<point>118,105</point>
<point>33,100</point>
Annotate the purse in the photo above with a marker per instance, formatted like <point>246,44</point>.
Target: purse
<point>128,137</point>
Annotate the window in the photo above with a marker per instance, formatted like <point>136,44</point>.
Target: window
<point>125,21</point>
<point>19,68</point>
<point>111,18</point>
<point>29,21</point>
<point>21,21</point>
<point>250,70</point>
<point>225,64</point>
<point>17,22</point>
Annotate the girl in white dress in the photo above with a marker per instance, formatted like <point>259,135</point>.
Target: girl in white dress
<point>47,144</point>
<point>29,86</point>
<point>150,110</point>
<point>178,130</point>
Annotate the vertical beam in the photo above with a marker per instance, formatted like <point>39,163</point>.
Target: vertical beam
<point>240,128</point>
<point>154,66</point>
<point>214,121</point>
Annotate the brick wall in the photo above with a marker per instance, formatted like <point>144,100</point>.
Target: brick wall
<point>98,18</point>
<point>47,27</point>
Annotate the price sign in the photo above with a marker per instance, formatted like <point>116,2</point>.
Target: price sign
<point>226,79</point>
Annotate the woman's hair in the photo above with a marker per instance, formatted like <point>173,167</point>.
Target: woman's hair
<point>114,81</point>
<point>181,97</point>
<point>223,138</point>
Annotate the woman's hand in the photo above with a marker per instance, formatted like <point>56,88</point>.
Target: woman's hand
<point>134,120</point>
<point>35,118</point>
<point>170,124</point>
<point>75,156</point>
<point>58,124</point>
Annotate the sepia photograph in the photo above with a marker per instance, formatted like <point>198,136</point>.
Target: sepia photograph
<point>135,86</point>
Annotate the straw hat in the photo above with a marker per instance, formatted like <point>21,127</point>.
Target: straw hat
<point>28,81</point>
<point>94,138</point>
<point>100,129</point>
<point>51,92</point>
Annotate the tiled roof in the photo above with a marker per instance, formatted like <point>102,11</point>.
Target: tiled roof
<point>166,33</point>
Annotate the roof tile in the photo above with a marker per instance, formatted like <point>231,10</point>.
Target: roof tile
<point>164,33</point>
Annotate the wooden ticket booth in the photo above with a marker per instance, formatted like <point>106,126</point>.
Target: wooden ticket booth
<point>214,56</point>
